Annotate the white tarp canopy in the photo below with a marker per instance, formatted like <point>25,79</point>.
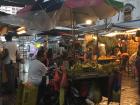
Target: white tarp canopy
<point>130,24</point>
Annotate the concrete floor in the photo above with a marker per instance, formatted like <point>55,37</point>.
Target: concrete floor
<point>129,92</point>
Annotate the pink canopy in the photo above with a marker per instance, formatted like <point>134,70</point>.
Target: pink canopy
<point>73,10</point>
<point>82,3</point>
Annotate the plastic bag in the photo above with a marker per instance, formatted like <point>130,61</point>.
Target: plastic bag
<point>64,80</point>
<point>56,76</point>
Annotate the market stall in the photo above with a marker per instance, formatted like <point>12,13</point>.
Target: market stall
<point>102,72</point>
<point>89,68</point>
<point>94,86</point>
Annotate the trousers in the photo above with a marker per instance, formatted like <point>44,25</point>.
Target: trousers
<point>10,72</point>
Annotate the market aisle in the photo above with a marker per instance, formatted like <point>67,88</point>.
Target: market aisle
<point>129,94</point>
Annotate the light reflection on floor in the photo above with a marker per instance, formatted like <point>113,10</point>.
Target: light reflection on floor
<point>129,92</point>
<point>25,67</point>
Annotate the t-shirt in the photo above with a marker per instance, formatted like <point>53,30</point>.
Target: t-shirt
<point>12,50</point>
<point>36,70</point>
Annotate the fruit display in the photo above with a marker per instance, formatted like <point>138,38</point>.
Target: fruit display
<point>97,84</point>
<point>107,68</point>
<point>84,66</point>
<point>106,58</point>
<point>79,68</point>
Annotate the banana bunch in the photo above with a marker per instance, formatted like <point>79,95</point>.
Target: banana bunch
<point>106,68</point>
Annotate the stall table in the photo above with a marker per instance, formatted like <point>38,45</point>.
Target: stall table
<point>107,82</point>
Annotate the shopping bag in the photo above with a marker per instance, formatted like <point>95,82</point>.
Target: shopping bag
<point>56,76</point>
<point>56,80</point>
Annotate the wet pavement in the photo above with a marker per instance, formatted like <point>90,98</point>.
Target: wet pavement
<point>129,92</point>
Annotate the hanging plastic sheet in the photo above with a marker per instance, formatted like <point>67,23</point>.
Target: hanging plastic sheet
<point>36,20</point>
<point>61,14</point>
<point>48,6</point>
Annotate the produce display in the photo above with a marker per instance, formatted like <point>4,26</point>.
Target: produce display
<point>84,67</point>
<point>96,87</point>
<point>93,74</point>
<point>107,68</point>
<point>91,68</point>
<point>107,58</point>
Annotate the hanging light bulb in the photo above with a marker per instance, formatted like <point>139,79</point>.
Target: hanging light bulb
<point>21,30</point>
<point>88,22</point>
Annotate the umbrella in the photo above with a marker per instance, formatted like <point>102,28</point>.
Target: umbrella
<point>33,23</point>
<point>62,12</point>
<point>32,20</point>
<point>46,15</point>
<point>81,10</point>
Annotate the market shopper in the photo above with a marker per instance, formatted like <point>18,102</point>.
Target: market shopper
<point>117,52</point>
<point>37,74</point>
<point>137,64</point>
<point>132,60</point>
<point>9,58</point>
<point>125,61</point>
<point>9,62</point>
<point>37,69</point>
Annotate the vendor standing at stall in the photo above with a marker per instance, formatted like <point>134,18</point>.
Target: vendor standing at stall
<point>9,73</point>
<point>37,74</point>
